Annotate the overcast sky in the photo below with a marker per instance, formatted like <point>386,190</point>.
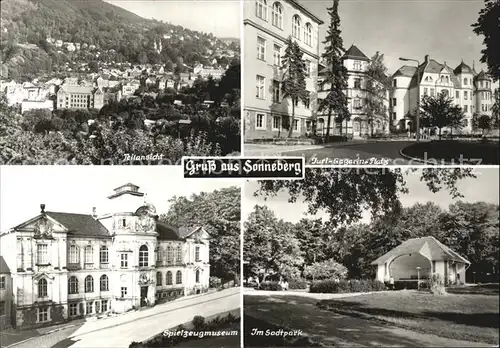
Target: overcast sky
<point>76,189</point>
<point>484,188</point>
<point>408,28</point>
<point>219,17</point>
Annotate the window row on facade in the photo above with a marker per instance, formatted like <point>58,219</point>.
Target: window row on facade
<point>299,31</point>
<point>73,286</point>
<point>262,55</point>
<point>260,92</point>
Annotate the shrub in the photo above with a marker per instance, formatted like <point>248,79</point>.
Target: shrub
<point>325,270</point>
<point>198,322</point>
<point>436,285</point>
<point>214,282</point>
<point>297,284</point>
<point>343,286</point>
<point>272,286</point>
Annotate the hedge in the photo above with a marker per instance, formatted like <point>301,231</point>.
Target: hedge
<point>343,286</point>
<point>272,286</point>
<point>297,284</point>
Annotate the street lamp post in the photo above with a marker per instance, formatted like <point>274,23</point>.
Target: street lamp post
<point>417,116</point>
<point>418,278</point>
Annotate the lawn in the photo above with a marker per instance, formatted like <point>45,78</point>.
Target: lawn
<point>470,317</point>
<point>458,152</point>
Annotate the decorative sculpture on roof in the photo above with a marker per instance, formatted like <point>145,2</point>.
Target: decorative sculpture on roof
<point>44,228</point>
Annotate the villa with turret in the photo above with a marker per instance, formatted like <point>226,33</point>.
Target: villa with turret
<point>65,266</point>
<point>470,90</point>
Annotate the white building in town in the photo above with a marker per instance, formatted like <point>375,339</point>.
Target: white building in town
<point>359,124</point>
<point>267,26</point>
<point>65,266</point>
<point>470,90</point>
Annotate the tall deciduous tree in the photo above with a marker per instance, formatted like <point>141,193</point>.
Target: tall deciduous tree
<point>440,111</point>
<point>335,75</point>
<point>293,84</point>
<point>376,91</point>
<point>487,25</point>
<point>270,246</point>
<point>484,122</point>
<point>219,213</point>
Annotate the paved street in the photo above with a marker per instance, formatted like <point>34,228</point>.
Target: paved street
<point>138,326</point>
<point>387,152</point>
<point>120,331</point>
<point>334,330</point>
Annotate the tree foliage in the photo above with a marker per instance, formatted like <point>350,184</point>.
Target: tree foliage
<point>335,75</point>
<point>270,245</point>
<point>219,213</point>
<point>440,111</point>
<point>376,90</point>
<point>487,26</point>
<point>293,84</point>
<point>328,269</point>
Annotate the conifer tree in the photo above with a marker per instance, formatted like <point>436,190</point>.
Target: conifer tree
<point>376,91</point>
<point>293,84</point>
<point>336,74</point>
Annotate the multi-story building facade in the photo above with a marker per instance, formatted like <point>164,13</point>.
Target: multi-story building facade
<point>468,89</point>
<point>67,266</point>
<point>79,97</point>
<point>359,124</point>
<point>267,26</point>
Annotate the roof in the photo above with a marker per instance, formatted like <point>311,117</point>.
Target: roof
<point>3,266</point>
<point>80,224</point>
<point>355,53</point>
<point>405,70</point>
<point>463,69</point>
<point>306,11</point>
<point>437,250</point>
<point>77,89</point>
<point>167,232</point>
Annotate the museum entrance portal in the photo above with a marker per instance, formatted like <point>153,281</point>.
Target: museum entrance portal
<point>144,296</point>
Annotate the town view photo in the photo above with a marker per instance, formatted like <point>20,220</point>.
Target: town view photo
<point>380,82</point>
<point>118,82</point>
<point>356,257</point>
<point>128,259</point>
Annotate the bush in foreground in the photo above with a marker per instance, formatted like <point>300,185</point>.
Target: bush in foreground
<point>297,284</point>
<point>345,286</point>
<point>270,286</point>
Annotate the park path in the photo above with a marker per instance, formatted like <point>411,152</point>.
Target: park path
<point>298,312</point>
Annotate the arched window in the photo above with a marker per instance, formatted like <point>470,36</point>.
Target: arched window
<point>465,80</point>
<point>168,279</point>
<point>89,254</point>
<point>73,285</point>
<point>143,256</point>
<point>277,15</point>
<point>74,254</point>
<point>170,255</point>
<point>296,27</point>
<point>178,255</point>
<point>178,277</point>
<point>261,9</point>
<point>42,288</point>
<point>104,283</point>
<point>89,284</point>
<point>103,254</point>
<point>197,276</point>
<point>158,278</point>
<point>308,34</point>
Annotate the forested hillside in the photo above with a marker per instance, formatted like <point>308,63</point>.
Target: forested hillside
<point>31,30</point>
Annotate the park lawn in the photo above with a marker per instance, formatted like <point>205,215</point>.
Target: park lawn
<point>471,317</point>
<point>458,152</point>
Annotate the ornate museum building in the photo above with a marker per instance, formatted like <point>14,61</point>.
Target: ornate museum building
<point>64,266</point>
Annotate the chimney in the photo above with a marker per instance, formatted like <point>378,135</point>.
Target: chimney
<point>426,58</point>
<point>94,212</point>
<point>42,208</point>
